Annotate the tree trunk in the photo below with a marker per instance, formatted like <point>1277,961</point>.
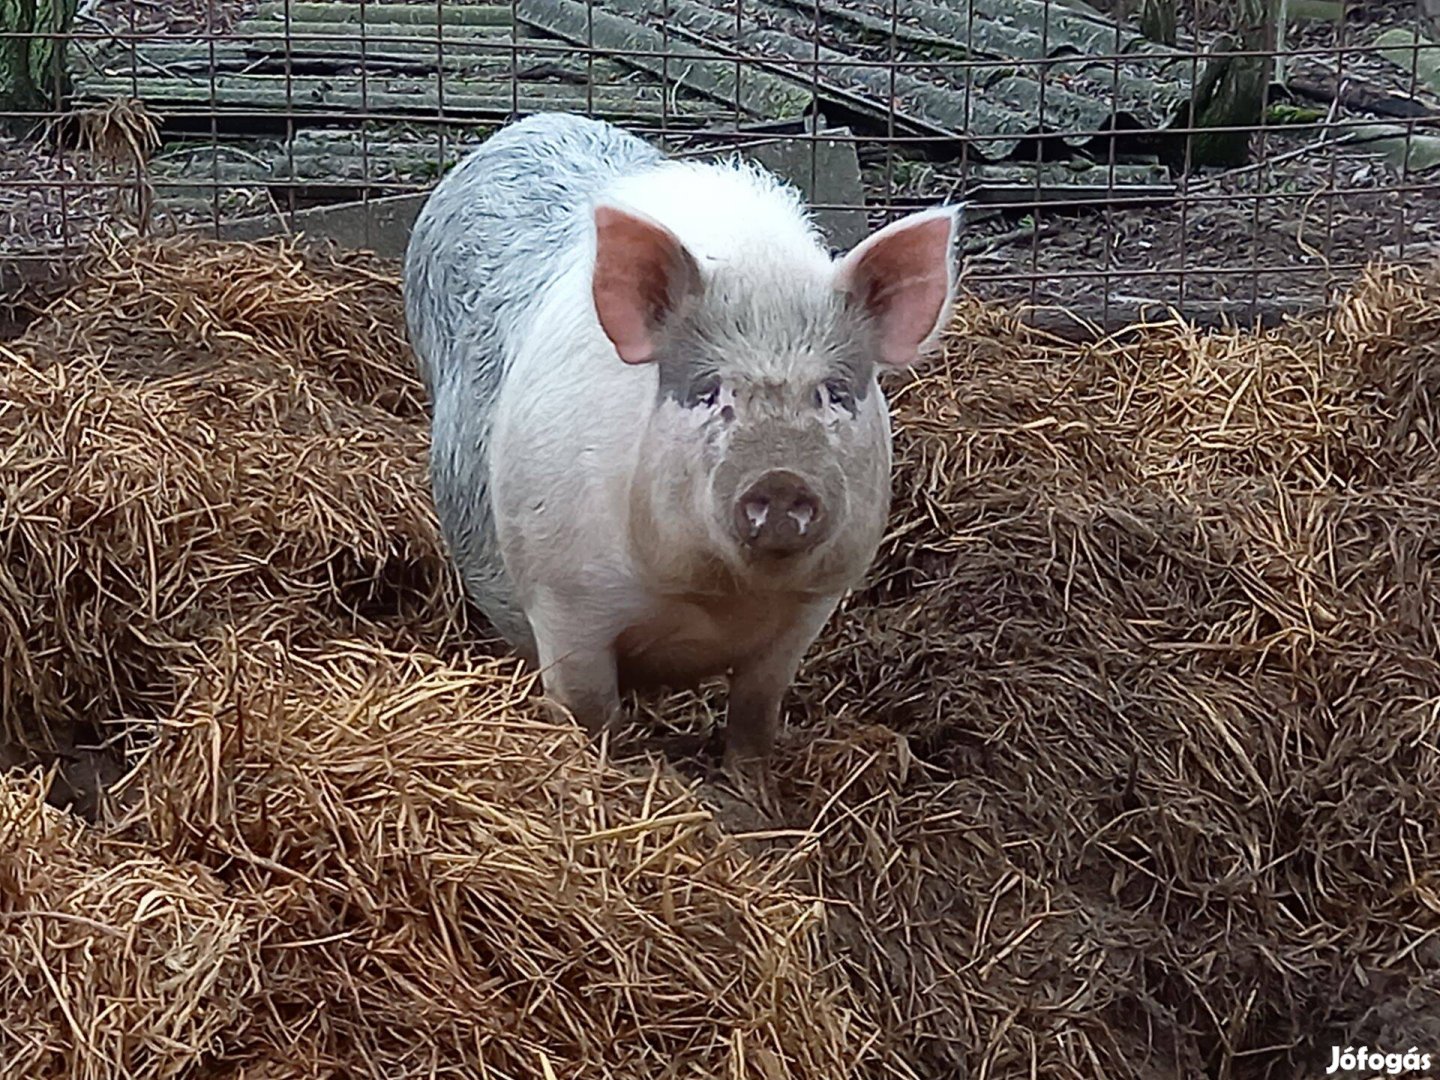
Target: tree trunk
<point>1157,20</point>
<point>33,75</point>
<point>1429,18</point>
<point>1232,91</point>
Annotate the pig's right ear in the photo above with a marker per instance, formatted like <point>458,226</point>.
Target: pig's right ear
<point>643,275</point>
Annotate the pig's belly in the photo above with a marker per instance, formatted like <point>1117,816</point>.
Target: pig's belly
<point>680,643</point>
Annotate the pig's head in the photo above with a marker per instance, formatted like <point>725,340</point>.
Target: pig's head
<point>767,454</point>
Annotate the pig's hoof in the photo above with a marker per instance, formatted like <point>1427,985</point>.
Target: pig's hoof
<point>753,779</point>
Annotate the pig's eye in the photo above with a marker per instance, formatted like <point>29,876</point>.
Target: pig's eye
<point>706,392</point>
<point>835,392</point>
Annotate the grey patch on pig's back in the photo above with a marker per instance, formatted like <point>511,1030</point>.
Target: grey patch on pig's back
<point>494,234</point>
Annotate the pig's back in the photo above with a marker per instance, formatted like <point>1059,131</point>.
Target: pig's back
<point>498,229</point>
<point>494,234</point>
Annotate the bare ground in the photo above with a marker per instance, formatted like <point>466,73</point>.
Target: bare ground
<point>1281,234</point>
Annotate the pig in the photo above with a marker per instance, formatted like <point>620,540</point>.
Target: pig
<point>659,449</point>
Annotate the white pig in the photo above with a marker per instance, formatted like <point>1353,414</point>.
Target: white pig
<point>659,450</point>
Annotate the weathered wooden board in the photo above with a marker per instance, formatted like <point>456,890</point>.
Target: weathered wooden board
<point>450,14</point>
<point>308,160</point>
<point>742,86</point>
<point>255,53</point>
<point>388,98</point>
<point>1069,185</point>
<point>277,31</point>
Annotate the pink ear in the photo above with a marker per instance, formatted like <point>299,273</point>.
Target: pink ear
<point>642,275</point>
<point>904,278</point>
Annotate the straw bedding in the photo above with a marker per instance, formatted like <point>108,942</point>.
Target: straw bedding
<point>192,439</point>
<point>1124,763</point>
<point>117,962</point>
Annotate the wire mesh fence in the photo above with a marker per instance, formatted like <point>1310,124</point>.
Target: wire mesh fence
<point>1235,160</point>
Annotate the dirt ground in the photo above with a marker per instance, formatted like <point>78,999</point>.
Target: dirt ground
<point>1283,234</point>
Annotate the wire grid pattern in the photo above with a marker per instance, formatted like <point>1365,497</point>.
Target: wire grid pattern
<point>1082,195</point>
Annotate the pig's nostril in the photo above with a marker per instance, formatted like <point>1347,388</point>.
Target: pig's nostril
<point>757,512</point>
<point>802,513</point>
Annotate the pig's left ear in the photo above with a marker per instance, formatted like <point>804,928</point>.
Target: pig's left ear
<point>903,277</point>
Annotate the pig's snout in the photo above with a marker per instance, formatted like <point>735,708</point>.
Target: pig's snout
<point>780,514</point>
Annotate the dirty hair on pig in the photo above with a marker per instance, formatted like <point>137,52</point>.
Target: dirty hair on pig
<point>659,448</point>
<point>707,339</point>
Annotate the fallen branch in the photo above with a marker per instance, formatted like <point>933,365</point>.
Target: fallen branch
<point>1358,97</point>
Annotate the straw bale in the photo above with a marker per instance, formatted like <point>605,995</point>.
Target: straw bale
<point>203,434</point>
<point>116,963</point>
<point>455,885</point>
<point>1157,631</point>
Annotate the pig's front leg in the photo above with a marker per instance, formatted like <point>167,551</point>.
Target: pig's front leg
<point>577,665</point>
<point>758,685</point>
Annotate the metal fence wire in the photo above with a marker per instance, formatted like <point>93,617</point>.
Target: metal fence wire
<point>1233,159</point>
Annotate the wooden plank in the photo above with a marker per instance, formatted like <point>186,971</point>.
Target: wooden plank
<point>337,94</point>
<point>237,57</point>
<point>270,56</point>
<point>404,14</point>
<point>1064,180</point>
<point>163,57</point>
<point>705,71</point>
<point>1068,172</point>
<point>382,149</point>
<point>1074,195</point>
<point>304,163</point>
<point>390,33</point>
<point>935,109</point>
<point>314,168</point>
